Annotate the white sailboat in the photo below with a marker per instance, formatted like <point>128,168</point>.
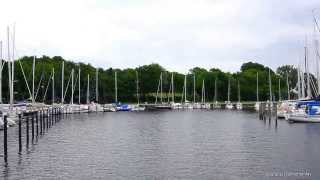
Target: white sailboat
<point>216,104</point>
<point>137,107</point>
<point>204,105</point>
<point>228,103</point>
<point>239,104</point>
<point>257,104</point>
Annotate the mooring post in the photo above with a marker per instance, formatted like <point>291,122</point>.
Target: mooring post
<point>276,111</point>
<point>27,130</point>
<point>20,134</point>
<point>32,125</point>
<point>5,138</point>
<point>37,123</point>
<point>41,123</point>
<point>47,119</point>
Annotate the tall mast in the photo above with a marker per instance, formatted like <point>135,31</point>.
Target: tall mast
<point>299,82</point>
<point>137,84</point>
<point>161,87</point>
<point>12,70</point>
<point>194,88</point>
<point>79,92</point>
<point>270,88</point>
<point>97,84</point>
<point>116,86</point>
<point>316,48</point>
<point>257,87</point>
<point>202,92</point>
<point>288,87</point>
<point>62,82</point>
<point>229,90</point>
<point>215,91</point>
<point>88,90</point>
<point>172,86</point>
<point>279,90</point>
<point>185,88</point>
<point>33,73</point>
<point>72,85</point>
<point>1,65</point>
<point>9,69</point>
<point>238,91</point>
<point>307,70</point>
<point>53,86</point>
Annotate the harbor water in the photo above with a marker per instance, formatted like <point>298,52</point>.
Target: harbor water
<point>191,144</point>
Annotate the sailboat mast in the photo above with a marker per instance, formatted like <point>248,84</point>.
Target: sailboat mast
<point>185,88</point>
<point>229,90</point>
<point>279,90</point>
<point>307,71</point>
<point>97,84</point>
<point>33,74</point>
<point>257,87</point>
<point>270,88</point>
<point>116,86</point>
<point>238,91</point>
<point>12,70</point>
<point>161,87</point>
<point>137,83</point>
<point>62,82</point>
<point>72,85</point>
<point>53,86</point>
<point>202,92</point>
<point>299,82</point>
<point>9,69</point>
<point>1,66</point>
<point>88,89</point>
<point>194,88</point>
<point>79,92</point>
<point>172,88</point>
<point>215,90</point>
<point>288,88</point>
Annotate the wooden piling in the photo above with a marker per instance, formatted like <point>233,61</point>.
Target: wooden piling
<point>20,134</point>
<point>37,123</point>
<point>32,125</point>
<point>5,138</point>
<point>47,119</point>
<point>41,123</point>
<point>27,130</point>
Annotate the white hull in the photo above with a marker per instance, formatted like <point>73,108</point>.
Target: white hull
<point>304,118</point>
<point>239,106</point>
<point>229,106</point>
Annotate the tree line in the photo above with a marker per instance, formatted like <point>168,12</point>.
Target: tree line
<point>148,81</point>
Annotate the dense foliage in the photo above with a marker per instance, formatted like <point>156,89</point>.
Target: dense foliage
<point>148,81</point>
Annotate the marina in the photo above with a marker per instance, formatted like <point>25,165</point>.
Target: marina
<point>159,89</point>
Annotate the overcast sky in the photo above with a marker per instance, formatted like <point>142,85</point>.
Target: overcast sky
<point>178,34</point>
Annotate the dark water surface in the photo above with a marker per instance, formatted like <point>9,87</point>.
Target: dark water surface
<point>167,145</point>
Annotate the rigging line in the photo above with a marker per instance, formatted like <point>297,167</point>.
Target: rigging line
<point>45,94</point>
<point>39,85</point>
<point>67,87</point>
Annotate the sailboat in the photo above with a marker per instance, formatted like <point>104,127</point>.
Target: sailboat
<point>216,104</point>
<point>173,104</point>
<point>95,106</point>
<point>204,105</point>
<point>119,105</point>
<point>228,103</point>
<point>239,104</point>
<point>257,104</point>
<point>137,107</point>
<point>161,105</point>
<point>185,103</point>
<point>196,105</point>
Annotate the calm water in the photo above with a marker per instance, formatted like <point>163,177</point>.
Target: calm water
<point>166,145</point>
